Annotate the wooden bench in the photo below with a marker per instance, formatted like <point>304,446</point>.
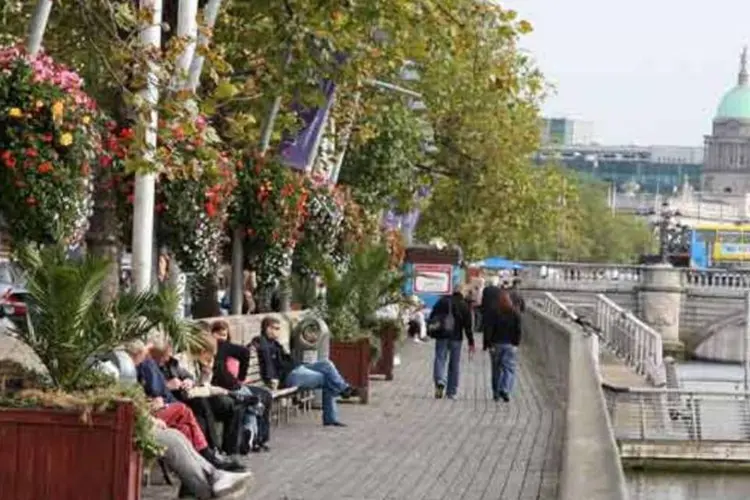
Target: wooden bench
<point>288,398</point>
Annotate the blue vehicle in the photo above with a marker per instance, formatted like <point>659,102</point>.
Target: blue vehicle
<point>432,272</point>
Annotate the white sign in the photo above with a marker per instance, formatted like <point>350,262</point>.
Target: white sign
<point>433,278</point>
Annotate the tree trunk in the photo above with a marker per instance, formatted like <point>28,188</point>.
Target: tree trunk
<point>102,240</point>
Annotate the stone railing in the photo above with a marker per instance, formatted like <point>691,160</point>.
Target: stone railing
<point>591,466</point>
<point>632,340</point>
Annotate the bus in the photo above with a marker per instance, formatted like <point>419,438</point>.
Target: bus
<point>720,245</point>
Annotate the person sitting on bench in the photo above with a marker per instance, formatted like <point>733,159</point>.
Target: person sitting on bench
<point>278,368</point>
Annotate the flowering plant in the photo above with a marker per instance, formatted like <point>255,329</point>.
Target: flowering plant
<point>271,205</point>
<point>194,193</point>
<point>48,139</point>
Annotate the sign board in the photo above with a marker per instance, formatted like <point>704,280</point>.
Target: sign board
<point>433,278</point>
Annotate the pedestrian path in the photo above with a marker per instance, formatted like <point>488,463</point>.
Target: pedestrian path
<point>405,445</point>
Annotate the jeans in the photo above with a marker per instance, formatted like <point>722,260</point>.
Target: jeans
<point>503,358</point>
<point>447,355</point>
<point>192,469</point>
<point>320,375</point>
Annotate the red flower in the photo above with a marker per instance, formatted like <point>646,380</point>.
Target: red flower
<point>31,201</point>
<point>47,138</point>
<point>131,198</point>
<point>45,167</point>
<point>8,159</point>
<point>127,134</point>
<point>105,161</point>
<point>31,153</point>
<point>210,209</point>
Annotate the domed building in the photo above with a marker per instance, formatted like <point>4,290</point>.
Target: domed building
<point>726,167</point>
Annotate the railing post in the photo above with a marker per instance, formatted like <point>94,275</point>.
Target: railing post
<point>642,414</point>
<point>660,297</point>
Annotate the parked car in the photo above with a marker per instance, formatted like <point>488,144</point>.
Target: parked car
<point>13,292</point>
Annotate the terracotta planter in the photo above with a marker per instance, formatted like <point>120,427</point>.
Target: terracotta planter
<point>53,454</point>
<point>353,361</point>
<point>384,365</point>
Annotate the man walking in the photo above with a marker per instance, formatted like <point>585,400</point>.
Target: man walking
<point>449,321</point>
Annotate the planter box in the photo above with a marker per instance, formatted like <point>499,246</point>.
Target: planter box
<point>353,361</point>
<point>49,453</point>
<point>384,365</point>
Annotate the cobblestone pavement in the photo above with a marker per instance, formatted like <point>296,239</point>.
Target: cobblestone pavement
<point>406,445</point>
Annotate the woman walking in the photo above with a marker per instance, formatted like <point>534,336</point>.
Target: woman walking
<point>502,335</point>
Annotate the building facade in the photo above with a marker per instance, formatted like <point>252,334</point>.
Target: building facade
<point>635,169</point>
<point>566,132</point>
<point>727,149</point>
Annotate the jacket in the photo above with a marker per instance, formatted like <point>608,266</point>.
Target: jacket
<point>461,315</point>
<point>502,328</point>
<point>153,381</point>
<point>222,377</point>
<point>274,362</point>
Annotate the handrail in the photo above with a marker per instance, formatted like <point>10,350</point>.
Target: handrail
<point>632,339</point>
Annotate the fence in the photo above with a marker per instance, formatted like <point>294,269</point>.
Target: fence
<point>647,414</point>
<point>632,340</point>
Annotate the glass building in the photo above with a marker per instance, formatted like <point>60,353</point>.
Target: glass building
<point>653,169</point>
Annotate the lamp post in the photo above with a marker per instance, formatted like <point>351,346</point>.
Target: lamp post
<point>666,224</point>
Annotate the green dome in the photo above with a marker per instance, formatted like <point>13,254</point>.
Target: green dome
<point>735,104</point>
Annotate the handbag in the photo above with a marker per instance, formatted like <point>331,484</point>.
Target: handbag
<point>443,326</point>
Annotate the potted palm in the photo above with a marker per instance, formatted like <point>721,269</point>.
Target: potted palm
<point>352,300</point>
<point>76,420</point>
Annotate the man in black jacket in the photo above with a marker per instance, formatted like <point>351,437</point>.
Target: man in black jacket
<point>448,334</point>
<point>278,369</point>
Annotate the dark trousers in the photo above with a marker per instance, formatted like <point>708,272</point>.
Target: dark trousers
<point>208,411</point>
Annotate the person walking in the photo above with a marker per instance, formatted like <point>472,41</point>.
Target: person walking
<point>502,334</point>
<point>449,321</point>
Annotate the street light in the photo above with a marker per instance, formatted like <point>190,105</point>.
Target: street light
<point>667,223</point>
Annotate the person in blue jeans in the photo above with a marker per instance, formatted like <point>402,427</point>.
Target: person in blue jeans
<point>279,369</point>
<point>502,334</point>
<point>449,321</point>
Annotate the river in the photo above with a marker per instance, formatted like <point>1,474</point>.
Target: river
<point>684,486</point>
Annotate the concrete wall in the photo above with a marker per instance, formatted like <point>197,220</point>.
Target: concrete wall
<point>591,464</point>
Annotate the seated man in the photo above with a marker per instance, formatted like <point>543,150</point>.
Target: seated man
<point>230,371</point>
<point>277,367</point>
<point>176,415</point>
<point>210,404</point>
<point>198,477</point>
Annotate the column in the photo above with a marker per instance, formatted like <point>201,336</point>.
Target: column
<point>659,300</point>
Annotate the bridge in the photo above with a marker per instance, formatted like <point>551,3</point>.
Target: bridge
<point>701,313</point>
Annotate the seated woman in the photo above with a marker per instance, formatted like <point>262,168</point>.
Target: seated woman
<point>198,477</point>
<point>278,368</point>
<point>165,407</point>
<point>230,370</point>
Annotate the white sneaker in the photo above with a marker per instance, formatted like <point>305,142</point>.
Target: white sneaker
<point>396,360</point>
<point>229,482</point>
<point>417,340</point>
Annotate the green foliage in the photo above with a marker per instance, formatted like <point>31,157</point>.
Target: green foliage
<point>353,296</point>
<point>386,167</point>
<point>68,326</point>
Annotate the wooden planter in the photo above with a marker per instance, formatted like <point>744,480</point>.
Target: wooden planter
<point>353,361</point>
<point>384,365</point>
<point>49,453</point>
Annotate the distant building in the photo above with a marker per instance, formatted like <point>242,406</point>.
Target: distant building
<point>566,132</point>
<point>651,169</point>
<point>727,169</point>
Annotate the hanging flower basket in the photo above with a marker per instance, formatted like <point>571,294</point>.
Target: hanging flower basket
<point>322,227</point>
<point>48,139</point>
<point>271,205</point>
<point>193,194</point>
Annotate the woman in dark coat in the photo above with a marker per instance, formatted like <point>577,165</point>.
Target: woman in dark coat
<point>502,336</point>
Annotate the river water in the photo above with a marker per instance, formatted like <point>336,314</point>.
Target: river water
<point>691,486</point>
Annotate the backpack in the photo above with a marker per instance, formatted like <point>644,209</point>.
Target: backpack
<point>444,325</point>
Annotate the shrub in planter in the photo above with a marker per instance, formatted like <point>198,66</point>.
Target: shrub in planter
<point>48,139</point>
<point>68,330</point>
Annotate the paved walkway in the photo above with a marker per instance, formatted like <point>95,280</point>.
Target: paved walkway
<point>405,445</point>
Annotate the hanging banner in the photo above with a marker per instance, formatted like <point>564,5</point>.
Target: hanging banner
<point>299,151</point>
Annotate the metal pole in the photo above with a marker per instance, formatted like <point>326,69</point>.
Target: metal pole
<point>143,210</point>
<point>746,345</point>
<point>38,26</point>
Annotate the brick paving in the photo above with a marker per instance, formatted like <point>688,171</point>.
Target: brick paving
<point>405,445</point>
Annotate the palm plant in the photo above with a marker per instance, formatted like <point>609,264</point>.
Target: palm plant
<point>68,326</point>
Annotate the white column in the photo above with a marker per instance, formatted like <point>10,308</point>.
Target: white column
<point>38,26</point>
<point>143,209</point>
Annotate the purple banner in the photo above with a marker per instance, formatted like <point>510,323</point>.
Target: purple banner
<point>406,222</point>
<point>299,152</point>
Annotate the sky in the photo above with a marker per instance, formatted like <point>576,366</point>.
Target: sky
<point>645,72</point>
